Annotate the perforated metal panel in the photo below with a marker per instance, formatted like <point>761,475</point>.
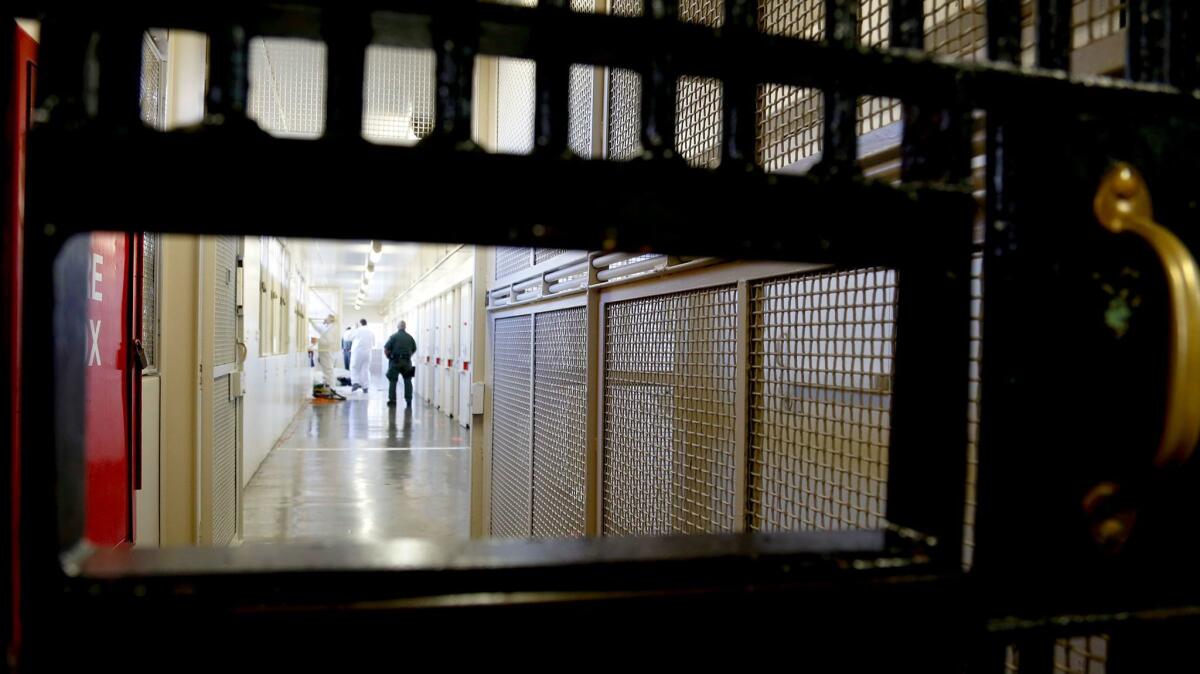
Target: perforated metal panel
<point>669,413</point>
<point>820,394</point>
<point>150,326</point>
<point>581,96</point>
<point>225,336</point>
<point>398,96</point>
<point>224,463</point>
<point>512,350</point>
<point>512,260</point>
<point>789,126</point>
<point>559,417</point>
<point>287,86</point>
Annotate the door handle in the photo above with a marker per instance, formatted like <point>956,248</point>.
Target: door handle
<point>1123,205</point>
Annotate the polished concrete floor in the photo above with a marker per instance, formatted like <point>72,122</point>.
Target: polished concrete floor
<point>361,471</point>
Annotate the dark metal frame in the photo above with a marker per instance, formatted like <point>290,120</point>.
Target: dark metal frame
<point>90,146</point>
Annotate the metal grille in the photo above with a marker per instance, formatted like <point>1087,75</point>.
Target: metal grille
<point>150,250</point>
<point>1094,20</point>
<point>225,309</point>
<point>956,28</point>
<point>151,85</point>
<point>540,255</point>
<point>512,427</point>
<point>820,393</point>
<point>509,261</point>
<point>789,127</point>
<point>287,86</point>
<point>515,105</point>
<point>559,416</point>
<point>698,120</point>
<point>224,463</point>
<point>581,96</point>
<point>1081,655</point>
<point>669,413</point>
<point>624,98</point>
<point>398,96</point>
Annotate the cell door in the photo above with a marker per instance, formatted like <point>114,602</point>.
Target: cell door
<point>223,355</point>
<point>462,364</point>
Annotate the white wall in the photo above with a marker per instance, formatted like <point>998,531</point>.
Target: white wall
<point>277,386</point>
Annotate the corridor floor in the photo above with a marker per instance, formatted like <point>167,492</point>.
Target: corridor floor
<point>361,471</point>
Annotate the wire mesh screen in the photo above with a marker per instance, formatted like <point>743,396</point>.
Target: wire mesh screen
<point>820,394</point>
<point>669,413</point>
<point>1094,20</point>
<point>512,426</point>
<point>581,97</point>
<point>515,80</point>
<point>698,99</point>
<point>151,85</point>
<point>541,255</point>
<point>624,98</point>
<point>559,417</point>
<point>397,95</point>
<point>1081,655</point>
<point>225,481</point>
<point>956,28</point>
<point>511,260</point>
<point>225,336</point>
<point>287,86</point>
<point>698,121</point>
<point>151,246</point>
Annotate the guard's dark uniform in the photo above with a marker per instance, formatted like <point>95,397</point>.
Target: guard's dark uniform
<point>399,350</point>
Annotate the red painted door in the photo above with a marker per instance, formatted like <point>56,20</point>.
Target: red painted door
<point>108,395</point>
<point>16,123</point>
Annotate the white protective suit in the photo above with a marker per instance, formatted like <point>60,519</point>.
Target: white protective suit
<point>360,356</point>
<point>328,344</point>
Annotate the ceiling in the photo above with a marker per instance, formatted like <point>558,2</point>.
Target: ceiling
<point>340,264</point>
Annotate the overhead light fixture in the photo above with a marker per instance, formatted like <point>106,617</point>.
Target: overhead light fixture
<point>376,251</point>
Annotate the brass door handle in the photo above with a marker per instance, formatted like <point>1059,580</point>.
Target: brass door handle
<point>1123,205</point>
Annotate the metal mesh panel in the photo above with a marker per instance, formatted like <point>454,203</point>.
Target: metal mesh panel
<point>287,86</point>
<point>789,127</point>
<point>559,416</point>
<point>698,120</point>
<point>820,393</point>
<point>1093,20</point>
<point>669,413</point>
<point>398,95</point>
<point>1081,655</point>
<point>540,255</point>
<point>224,463</point>
<point>515,105</point>
<point>956,28</point>
<point>150,251</point>
<point>624,98</point>
<point>225,310</point>
<point>511,427</point>
<point>511,260</point>
<point>151,85</point>
<point>581,96</point>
